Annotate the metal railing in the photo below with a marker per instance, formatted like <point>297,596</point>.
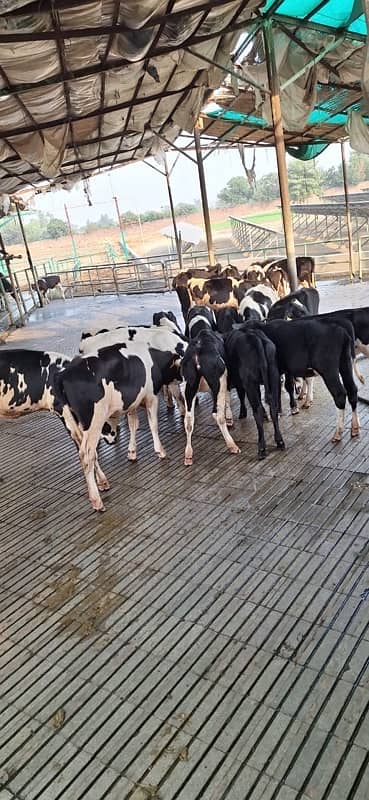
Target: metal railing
<point>155,273</point>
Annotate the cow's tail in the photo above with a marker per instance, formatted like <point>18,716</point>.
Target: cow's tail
<point>263,362</point>
<point>60,394</point>
<point>184,298</point>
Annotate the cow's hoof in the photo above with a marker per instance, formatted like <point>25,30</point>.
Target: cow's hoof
<point>261,455</point>
<point>132,455</point>
<point>234,449</point>
<point>355,432</point>
<point>103,486</point>
<point>161,453</point>
<point>281,445</point>
<point>336,438</point>
<point>295,411</point>
<point>98,505</point>
<point>188,461</point>
<point>229,422</point>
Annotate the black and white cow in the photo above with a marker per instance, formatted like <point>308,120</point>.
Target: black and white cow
<point>327,349</point>
<point>48,282</point>
<point>114,381</point>
<point>27,384</point>
<point>199,318</point>
<point>166,318</point>
<point>252,361</point>
<point>302,303</point>
<point>296,305</point>
<point>204,369</point>
<point>257,302</point>
<point>27,381</point>
<point>202,318</point>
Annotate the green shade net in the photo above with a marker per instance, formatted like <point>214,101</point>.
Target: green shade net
<point>305,152</point>
<point>346,14</point>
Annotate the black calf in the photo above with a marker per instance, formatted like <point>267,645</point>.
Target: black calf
<point>226,318</point>
<point>252,361</point>
<point>204,369</point>
<point>309,344</point>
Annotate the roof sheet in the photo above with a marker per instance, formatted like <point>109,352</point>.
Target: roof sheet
<point>86,86</point>
<point>321,60</point>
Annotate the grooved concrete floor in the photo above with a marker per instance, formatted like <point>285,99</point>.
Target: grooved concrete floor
<point>208,636</point>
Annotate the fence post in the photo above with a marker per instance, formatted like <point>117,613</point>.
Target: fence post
<point>29,257</point>
<point>360,257</point>
<point>116,284</point>
<point>30,289</point>
<point>20,293</point>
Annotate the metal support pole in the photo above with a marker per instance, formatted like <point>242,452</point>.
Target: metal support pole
<point>77,263</point>
<point>174,221</point>
<point>204,197</point>
<point>348,213</point>
<point>275,103</point>
<point>122,236</point>
<point>29,258</point>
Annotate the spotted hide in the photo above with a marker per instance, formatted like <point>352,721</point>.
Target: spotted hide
<point>115,381</point>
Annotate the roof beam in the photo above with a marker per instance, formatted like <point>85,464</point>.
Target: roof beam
<point>121,27</point>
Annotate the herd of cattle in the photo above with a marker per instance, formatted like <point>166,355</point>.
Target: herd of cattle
<point>241,331</point>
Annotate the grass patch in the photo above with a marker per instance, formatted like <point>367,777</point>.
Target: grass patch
<point>264,219</point>
<point>224,225</point>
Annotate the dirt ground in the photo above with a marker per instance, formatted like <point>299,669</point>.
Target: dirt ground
<point>144,240</point>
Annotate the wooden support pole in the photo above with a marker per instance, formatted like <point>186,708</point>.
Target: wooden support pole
<point>348,212</point>
<point>204,197</point>
<point>275,102</point>
<point>29,258</point>
<point>174,221</point>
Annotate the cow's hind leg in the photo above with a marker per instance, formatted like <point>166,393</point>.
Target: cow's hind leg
<point>278,438</point>
<point>254,398</point>
<point>152,416</point>
<point>241,397</point>
<point>228,410</point>
<point>88,458</point>
<point>307,400</point>
<point>132,419</point>
<point>218,387</point>
<point>336,389</point>
<point>351,389</point>
<point>289,384</point>
<point>190,395</point>
<point>76,435</point>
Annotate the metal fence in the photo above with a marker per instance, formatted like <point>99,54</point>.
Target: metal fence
<point>155,274</point>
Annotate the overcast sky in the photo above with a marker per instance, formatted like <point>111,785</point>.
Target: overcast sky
<point>139,188</point>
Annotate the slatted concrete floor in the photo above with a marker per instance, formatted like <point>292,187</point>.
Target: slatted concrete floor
<point>208,636</point>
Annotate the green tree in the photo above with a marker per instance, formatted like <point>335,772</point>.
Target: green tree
<point>303,180</point>
<point>267,187</point>
<point>128,218</point>
<point>181,209</point>
<point>331,177</point>
<point>55,229</point>
<point>236,191</point>
<point>358,168</point>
